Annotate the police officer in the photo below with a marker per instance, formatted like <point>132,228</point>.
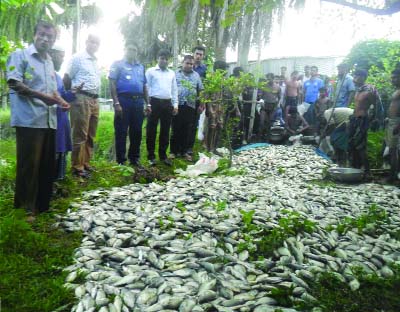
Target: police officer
<point>129,92</point>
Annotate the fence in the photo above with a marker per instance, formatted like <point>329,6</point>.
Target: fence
<point>326,65</point>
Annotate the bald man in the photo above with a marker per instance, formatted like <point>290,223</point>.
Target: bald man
<point>83,71</point>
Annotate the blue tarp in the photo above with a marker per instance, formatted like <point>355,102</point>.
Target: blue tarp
<point>322,154</point>
<point>251,146</point>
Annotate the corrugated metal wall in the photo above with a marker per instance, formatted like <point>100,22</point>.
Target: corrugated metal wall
<point>326,65</point>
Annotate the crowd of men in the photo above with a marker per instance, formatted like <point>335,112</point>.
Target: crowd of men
<point>40,101</point>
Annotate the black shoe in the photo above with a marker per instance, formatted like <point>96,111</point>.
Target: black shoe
<point>152,162</point>
<point>167,162</point>
<point>135,163</point>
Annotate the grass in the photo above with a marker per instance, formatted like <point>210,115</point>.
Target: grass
<point>374,146</point>
<point>375,294</point>
<point>32,256</point>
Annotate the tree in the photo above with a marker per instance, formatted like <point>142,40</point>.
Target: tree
<point>88,15</point>
<point>18,17</point>
<point>374,52</point>
<point>215,24</point>
<point>390,6</point>
<point>380,58</point>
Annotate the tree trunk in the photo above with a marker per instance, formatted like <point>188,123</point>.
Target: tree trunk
<point>221,33</point>
<point>76,28</point>
<point>244,42</point>
<point>175,47</point>
<point>254,99</point>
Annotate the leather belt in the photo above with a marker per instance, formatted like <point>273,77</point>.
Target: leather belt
<point>91,95</point>
<point>156,100</point>
<point>135,97</point>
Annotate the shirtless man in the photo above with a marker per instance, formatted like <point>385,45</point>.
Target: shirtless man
<point>323,103</point>
<point>292,92</point>
<point>393,126</point>
<point>270,95</point>
<point>295,124</point>
<point>358,129</point>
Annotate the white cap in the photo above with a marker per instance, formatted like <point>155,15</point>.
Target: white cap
<point>58,47</point>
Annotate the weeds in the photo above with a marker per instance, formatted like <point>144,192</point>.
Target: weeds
<point>219,206</point>
<point>375,293</point>
<point>261,242</point>
<point>369,221</point>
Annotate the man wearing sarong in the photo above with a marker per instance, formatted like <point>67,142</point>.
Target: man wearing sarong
<point>335,133</point>
<point>393,126</point>
<point>270,95</point>
<point>358,129</point>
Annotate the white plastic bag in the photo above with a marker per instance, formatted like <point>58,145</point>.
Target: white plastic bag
<point>200,131</point>
<point>204,165</point>
<point>303,108</point>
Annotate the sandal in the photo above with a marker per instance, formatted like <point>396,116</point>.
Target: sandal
<point>80,174</point>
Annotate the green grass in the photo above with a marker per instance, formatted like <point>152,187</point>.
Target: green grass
<point>375,141</point>
<point>32,256</point>
<point>375,294</point>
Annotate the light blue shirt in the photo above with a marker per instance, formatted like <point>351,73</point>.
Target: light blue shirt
<point>162,84</point>
<point>344,86</point>
<point>27,67</point>
<point>83,68</point>
<point>129,78</point>
<point>189,85</point>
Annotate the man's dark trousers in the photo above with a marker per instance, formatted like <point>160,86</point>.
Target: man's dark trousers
<point>131,119</point>
<point>160,110</point>
<point>181,129</point>
<point>36,168</point>
<point>193,129</point>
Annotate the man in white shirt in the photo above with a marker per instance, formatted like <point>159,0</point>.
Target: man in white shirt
<point>163,104</point>
<point>83,73</point>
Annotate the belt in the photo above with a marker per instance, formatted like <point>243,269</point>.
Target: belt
<point>135,97</point>
<point>91,95</point>
<point>167,101</point>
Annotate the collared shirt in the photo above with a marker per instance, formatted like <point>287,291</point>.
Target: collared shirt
<point>129,78</point>
<point>83,68</point>
<point>311,89</point>
<point>189,86</point>
<point>344,87</point>
<point>27,67</point>
<point>201,70</point>
<point>162,84</point>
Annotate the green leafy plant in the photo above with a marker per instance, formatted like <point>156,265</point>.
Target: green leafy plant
<point>374,217</point>
<point>261,241</point>
<point>181,206</point>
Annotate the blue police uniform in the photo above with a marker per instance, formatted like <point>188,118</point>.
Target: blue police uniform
<point>130,80</point>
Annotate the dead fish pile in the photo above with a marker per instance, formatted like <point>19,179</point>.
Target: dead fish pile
<point>175,246</point>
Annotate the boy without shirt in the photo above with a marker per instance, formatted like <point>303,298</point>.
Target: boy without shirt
<point>271,96</point>
<point>292,92</point>
<point>323,103</point>
<point>393,126</point>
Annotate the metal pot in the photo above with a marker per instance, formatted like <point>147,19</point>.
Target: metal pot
<point>346,174</point>
<point>277,137</point>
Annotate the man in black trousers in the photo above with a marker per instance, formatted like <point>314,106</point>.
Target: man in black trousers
<point>163,104</point>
